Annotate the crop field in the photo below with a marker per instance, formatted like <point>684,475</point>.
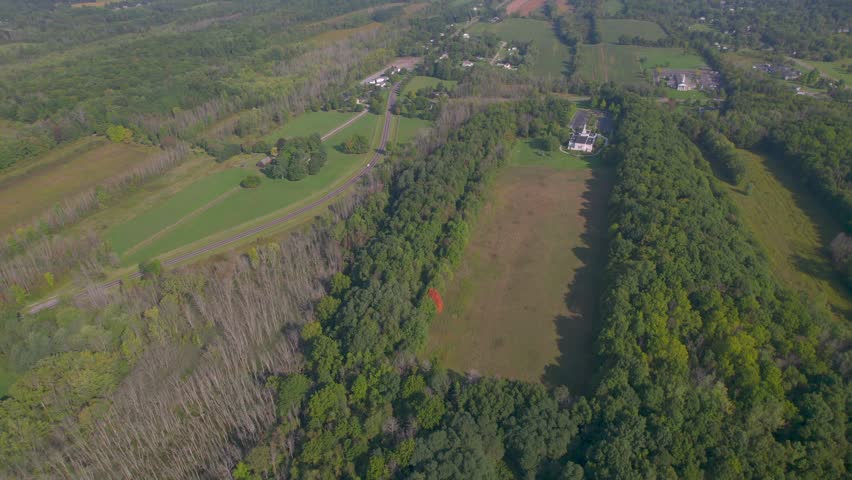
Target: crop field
<point>522,304</point>
<point>552,57</point>
<point>407,128</point>
<point>30,190</point>
<point>611,29</point>
<point>613,7</point>
<point>420,81</point>
<point>793,228</point>
<point>524,7</point>
<point>211,214</point>
<point>624,63</point>
<point>309,123</point>
<point>338,34</point>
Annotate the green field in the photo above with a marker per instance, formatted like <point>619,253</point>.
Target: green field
<point>525,154</point>
<point>407,128</point>
<point>309,123</point>
<point>613,7</point>
<point>836,70</point>
<point>624,63</point>
<point>31,189</point>
<point>553,56</point>
<point>522,303</point>
<point>420,81</point>
<point>238,208</point>
<point>611,29</point>
<point>793,228</point>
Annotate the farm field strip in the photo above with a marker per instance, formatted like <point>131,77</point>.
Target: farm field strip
<point>522,303</point>
<point>624,63</point>
<point>183,219</point>
<point>420,81</point>
<point>248,205</point>
<point>553,56</point>
<point>31,190</point>
<point>612,29</point>
<point>793,229</point>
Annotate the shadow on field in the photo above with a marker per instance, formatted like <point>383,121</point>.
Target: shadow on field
<point>577,332</point>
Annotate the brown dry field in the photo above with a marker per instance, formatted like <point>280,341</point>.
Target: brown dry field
<point>61,173</point>
<point>524,7</point>
<point>523,303</point>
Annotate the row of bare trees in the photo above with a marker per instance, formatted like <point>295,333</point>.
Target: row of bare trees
<point>189,412</point>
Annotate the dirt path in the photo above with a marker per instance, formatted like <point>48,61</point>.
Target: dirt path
<point>380,151</point>
<point>344,125</point>
<point>182,220</point>
<point>604,67</point>
<point>499,49</point>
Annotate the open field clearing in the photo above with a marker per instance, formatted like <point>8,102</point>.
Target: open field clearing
<point>613,7</point>
<point>553,56</point>
<point>344,33</point>
<point>794,229</point>
<point>624,63</point>
<point>836,70</point>
<point>420,81</point>
<point>98,3</point>
<point>612,29</point>
<point>29,191</point>
<point>245,205</point>
<point>309,123</point>
<point>407,128</point>
<point>523,302</point>
<point>524,7</point>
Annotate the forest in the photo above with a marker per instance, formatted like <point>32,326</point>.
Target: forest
<point>301,355</point>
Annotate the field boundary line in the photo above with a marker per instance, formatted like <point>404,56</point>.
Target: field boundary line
<point>198,211</point>
<point>338,128</point>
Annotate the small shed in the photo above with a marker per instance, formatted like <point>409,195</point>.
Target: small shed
<point>264,161</point>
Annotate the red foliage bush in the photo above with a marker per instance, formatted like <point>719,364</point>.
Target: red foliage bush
<point>436,297</point>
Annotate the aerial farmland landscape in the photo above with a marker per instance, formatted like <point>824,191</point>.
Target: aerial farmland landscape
<point>425,239</point>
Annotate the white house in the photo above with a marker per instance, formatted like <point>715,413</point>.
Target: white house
<point>583,141</point>
<point>467,64</point>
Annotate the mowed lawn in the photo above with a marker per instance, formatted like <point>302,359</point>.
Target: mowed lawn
<point>553,56</point>
<point>612,29</point>
<point>246,205</point>
<point>309,123</point>
<point>31,189</point>
<point>793,228</point>
<point>522,305</point>
<point>407,128</point>
<point>624,63</point>
<point>420,81</point>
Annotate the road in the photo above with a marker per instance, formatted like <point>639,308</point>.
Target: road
<point>54,301</point>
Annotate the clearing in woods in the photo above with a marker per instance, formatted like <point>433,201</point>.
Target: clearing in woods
<point>793,228</point>
<point>198,212</point>
<point>420,81</point>
<point>612,29</point>
<point>625,63</point>
<point>553,56</point>
<point>31,189</point>
<point>522,304</point>
<point>524,7</point>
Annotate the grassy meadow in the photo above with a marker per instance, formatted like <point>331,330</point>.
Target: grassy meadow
<point>420,81</point>
<point>31,189</point>
<point>521,305</point>
<point>211,214</point>
<point>552,57</point>
<point>309,123</point>
<point>624,63</point>
<point>793,228</point>
<point>407,128</point>
<point>611,29</point>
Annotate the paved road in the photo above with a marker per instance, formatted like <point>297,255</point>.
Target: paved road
<point>54,301</point>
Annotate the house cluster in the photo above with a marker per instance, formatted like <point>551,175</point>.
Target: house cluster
<point>687,80</point>
<point>784,71</point>
<point>584,141</point>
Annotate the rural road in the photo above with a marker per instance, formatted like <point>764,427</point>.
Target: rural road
<point>54,301</point>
